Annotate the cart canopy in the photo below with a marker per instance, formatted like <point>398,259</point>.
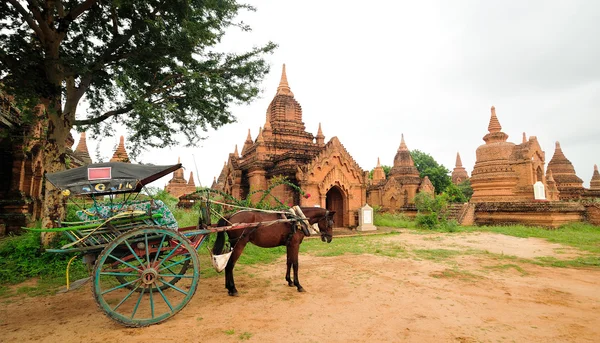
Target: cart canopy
<point>108,178</point>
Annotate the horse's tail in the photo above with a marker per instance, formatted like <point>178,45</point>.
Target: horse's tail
<point>220,242</point>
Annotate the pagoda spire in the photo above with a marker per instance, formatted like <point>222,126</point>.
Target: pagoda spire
<point>247,144</point>
<point>120,154</point>
<point>320,137</point>
<point>82,149</point>
<point>403,146</point>
<point>191,180</point>
<point>378,163</point>
<point>235,151</point>
<point>595,182</point>
<point>284,87</point>
<point>524,138</point>
<point>494,125</point>
<point>458,161</point>
<point>260,138</point>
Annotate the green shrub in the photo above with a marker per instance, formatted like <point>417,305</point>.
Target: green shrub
<point>21,257</point>
<point>429,221</point>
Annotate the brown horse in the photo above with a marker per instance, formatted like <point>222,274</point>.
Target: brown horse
<point>270,236</point>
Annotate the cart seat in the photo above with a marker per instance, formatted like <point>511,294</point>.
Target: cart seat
<point>106,211</point>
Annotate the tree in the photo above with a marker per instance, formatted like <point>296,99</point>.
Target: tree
<point>386,171</point>
<point>466,189</point>
<point>455,194</point>
<point>150,65</point>
<point>428,166</point>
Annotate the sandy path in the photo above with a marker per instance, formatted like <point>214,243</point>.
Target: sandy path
<point>355,298</point>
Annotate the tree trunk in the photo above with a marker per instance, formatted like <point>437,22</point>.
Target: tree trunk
<point>54,160</point>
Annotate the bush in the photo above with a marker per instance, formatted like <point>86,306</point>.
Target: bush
<point>21,258</point>
<point>455,194</point>
<point>431,210</point>
<point>429,221</point>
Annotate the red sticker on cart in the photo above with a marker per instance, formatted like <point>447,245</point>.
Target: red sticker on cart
<point>99,173</point>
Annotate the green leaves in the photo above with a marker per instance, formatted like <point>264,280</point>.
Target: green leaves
<point>153,66</point>
<point>428,166</point>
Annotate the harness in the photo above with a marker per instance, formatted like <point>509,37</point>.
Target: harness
<point>301,223</point>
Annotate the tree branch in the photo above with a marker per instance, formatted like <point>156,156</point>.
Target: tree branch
<point>103,117</point>
<point>30,21</point>
<point>34,6</point>
<point>77,11</point>
<point>60,8</point>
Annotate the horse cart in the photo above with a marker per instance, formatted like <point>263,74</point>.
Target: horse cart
<point>144,269</point>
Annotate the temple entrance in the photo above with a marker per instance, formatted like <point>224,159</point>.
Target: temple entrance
<point>334,201</point>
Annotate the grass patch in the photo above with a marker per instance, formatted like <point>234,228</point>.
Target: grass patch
<point>436,254</point>
<point>579,235</point>
<point>244,336</point>
<point>397,220</point>
<point>507,267</point>
<point>456,274</point>
<point>368,244</point>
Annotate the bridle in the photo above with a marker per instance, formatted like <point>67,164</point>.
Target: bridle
<point>327,226</point>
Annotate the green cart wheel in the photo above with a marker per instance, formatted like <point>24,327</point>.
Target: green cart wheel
<point>178,271</point>
<point>149,260</point>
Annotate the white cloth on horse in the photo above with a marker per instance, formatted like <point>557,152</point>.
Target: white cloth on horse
<point>298,212</point>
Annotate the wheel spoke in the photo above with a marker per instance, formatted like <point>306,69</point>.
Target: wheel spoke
<point>183,276</point>
<point>165,298</point>
<point>175,264</point>
<point>123,285</point>
<point>147,252</point>
<point>174,287</point>
<point>133,253</point>
<point>162,241</point>
<point>119,274</point>
<point>124,299</point>
<point>169,255</point>
<point>137,304</point>
<point>151,304</point>
<point>125,263</point>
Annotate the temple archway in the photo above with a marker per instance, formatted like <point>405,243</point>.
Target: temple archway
<point>334,201</point>
<point>539,174</point>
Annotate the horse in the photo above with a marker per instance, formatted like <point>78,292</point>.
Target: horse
<point>270,236</point>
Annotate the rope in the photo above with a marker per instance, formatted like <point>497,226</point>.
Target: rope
<point>243,207</point>
<point>68,266</point>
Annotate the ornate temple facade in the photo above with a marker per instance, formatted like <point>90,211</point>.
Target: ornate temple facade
<point>505,171</point>
<point>283,148</point>
<point>459,173</point>
<point>21,167</point>
<point>178,186</point>
<point>398,190</point>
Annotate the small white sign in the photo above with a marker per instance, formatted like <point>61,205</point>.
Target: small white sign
<point>368,217</point>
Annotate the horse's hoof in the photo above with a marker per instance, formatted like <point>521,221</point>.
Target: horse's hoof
<point>301,290</point>
<point>290,284</point>
<point>233,294</point>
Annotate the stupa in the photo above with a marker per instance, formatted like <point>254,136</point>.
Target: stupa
<point>120,154</point>
<point>459,174</point>
<point>569,184</point>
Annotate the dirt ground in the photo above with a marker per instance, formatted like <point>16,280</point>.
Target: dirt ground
<point>469,297</point>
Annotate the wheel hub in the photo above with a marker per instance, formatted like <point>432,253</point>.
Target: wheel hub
<point>149,276</point>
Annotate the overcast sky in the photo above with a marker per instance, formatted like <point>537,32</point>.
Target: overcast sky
<point>369,71</point>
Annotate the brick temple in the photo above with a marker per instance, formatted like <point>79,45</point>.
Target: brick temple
<point>283,147</point>
<point>398,190</point>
